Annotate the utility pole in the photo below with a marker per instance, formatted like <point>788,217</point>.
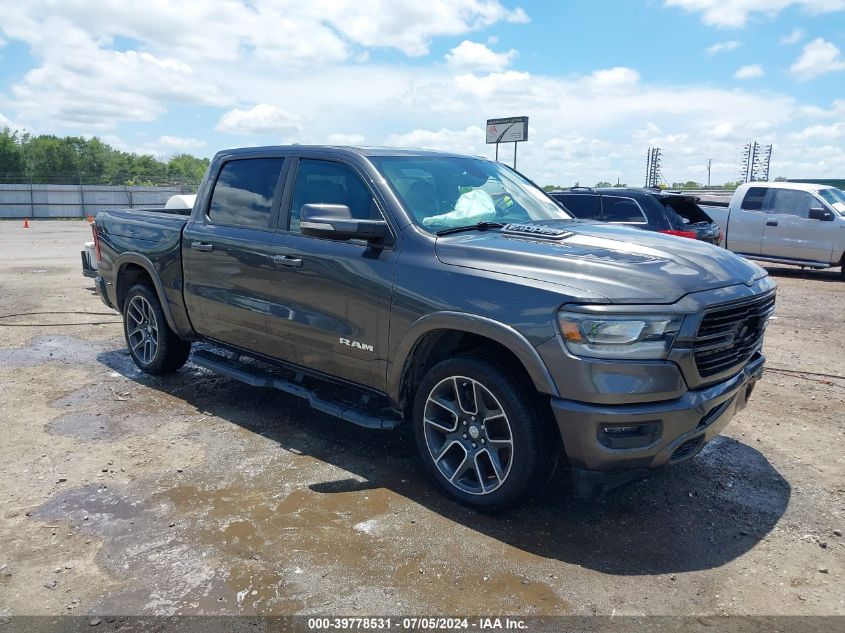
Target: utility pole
<point>709,163</point>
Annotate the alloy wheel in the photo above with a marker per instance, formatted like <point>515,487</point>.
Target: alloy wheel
<point>142,329</point>
<point>468,435</point>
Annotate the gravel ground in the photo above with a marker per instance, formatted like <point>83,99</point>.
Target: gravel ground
<point>193,494</point>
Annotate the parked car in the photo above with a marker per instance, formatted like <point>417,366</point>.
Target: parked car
<point>647,209</point>
<point>785,223</point>
<point>388,286</point>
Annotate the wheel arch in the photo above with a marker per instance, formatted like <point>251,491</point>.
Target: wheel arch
<point>438,335</point>
<point>133,268</point>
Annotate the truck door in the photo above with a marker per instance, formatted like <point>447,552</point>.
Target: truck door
<point>746,224</point>
<point>790,231</point>
<point>330,299</point>
<point>226,252</point>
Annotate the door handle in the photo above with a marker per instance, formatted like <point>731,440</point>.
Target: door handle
<point>200,246</point>
<point>288,261</point>
<point>771,222</point>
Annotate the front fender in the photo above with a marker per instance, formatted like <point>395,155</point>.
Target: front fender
<point>473,324</point>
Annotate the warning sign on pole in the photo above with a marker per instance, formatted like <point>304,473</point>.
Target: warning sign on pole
<point>510,130</point>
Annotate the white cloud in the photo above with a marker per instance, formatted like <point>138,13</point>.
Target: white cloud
<point>100,66</point>
<point>83,84</point>
<point>345,139</point>
<point>409,25</point>
<point>174,53</point>
<point>750,71</point>
<point>818,58</point>
<point>735,13</point>
<point>794,37</point>
<point>613,79</point>
<point>474,56</point>
<point>820,132</point>
<point>6,122</point>
<point>470,140</point>
<point>262,118</point>
<point>179,143</point>
<point>722,47</point>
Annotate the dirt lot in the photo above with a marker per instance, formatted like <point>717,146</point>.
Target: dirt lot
<point>194,494</point>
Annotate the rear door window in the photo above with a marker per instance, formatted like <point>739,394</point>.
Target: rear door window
<point>754,197</point>
<point>616,209</point>
<point>790,202</point>
<point>582,205</point>
<point>243,193</point>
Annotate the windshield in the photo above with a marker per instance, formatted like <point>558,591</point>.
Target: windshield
<point>448,192</point>
<point>835,198</point>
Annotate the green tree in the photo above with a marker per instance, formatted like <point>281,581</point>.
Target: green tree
<point>11,156</point>
<point>187,168</point>
<point>74,159</point>
<point>50,159</point>
<point>603,184</point>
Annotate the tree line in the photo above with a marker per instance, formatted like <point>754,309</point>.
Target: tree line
<point>46,158</point>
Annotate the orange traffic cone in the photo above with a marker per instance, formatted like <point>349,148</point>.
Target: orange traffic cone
<point>25,223</point>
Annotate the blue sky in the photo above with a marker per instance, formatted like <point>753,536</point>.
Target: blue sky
<point>600,81</point>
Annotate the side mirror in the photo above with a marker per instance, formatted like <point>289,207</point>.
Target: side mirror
<point>820,213</point>
<point>335,222</point>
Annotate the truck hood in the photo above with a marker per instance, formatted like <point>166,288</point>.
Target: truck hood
<point>624,265</point>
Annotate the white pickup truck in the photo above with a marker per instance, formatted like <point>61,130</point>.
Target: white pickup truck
<point>784,222</point>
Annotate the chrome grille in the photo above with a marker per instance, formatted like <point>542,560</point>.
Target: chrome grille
<point>730,334</point>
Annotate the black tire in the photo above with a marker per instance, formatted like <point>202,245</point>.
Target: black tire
<point>154,347</point>
<point>525,465</point>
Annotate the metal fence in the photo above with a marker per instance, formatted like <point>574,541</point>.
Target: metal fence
<point>79,201</point>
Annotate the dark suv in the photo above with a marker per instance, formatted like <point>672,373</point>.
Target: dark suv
<point>648,209</point>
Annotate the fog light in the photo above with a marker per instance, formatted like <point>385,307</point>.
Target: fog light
<point>622,431</point>
<point>629,435</point>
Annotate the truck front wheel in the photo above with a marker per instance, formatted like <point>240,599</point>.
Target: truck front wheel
<point>479,433</point>
<point>155,348</point>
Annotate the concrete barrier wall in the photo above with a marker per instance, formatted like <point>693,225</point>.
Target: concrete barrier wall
<point>78,201</point>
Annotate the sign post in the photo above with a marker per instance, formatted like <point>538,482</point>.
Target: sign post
<point>510,130</point>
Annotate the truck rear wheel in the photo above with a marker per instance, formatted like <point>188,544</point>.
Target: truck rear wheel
<point>479,433</point>
<point>155,348</point>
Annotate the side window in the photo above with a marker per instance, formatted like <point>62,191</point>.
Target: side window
<point>581,205</point>
<point>621,210</point>
<point>753,200</point>
<point>326,182</point>
<point>243,193</point>
<point>790,202</point>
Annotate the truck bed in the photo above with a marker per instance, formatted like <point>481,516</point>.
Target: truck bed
<point>155,233</point>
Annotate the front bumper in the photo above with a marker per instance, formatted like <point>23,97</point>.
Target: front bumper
<point>677,429</point>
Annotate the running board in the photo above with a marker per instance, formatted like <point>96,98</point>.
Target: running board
<point>806,263</point>
<point>259,378</point>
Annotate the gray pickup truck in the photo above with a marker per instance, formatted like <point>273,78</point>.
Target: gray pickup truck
<point>388,286</point>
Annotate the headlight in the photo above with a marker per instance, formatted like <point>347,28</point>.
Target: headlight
<point>622,336</point>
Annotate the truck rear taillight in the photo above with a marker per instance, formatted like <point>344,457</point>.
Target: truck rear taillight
<point>96,241</point>
<point>690,234</point>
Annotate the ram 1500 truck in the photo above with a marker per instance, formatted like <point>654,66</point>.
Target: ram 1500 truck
<point>796,223</point>
<point>451,293</point>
